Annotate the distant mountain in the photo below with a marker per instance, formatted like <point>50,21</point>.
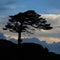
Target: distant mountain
<point>54,47</point>
<point>36,51</point>
<point>14,40</point>
<point>2,36</point>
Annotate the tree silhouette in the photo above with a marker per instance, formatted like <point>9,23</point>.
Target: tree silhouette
<point>20,23</point>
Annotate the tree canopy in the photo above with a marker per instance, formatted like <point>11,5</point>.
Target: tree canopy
<point>24,19</point>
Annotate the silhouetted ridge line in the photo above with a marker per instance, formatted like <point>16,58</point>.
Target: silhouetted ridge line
<point>26,50</point>
<point>7,44</point>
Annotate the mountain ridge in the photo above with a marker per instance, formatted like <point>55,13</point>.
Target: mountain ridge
<point>25,51</point>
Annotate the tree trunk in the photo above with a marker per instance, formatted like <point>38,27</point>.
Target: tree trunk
<point>19,39</point>
<point>19,35</point>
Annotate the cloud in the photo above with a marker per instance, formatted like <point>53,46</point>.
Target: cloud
<point>10,7</point>
<point>54,19</point>
<point>7,6</point>
<point>10,4</point>
<point>54,11</point>
<point>49,40</point>
<point>3,20</point>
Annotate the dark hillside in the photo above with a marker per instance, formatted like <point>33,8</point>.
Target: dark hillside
<point>27,51</point>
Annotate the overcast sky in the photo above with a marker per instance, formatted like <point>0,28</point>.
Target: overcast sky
<point>50,9</point>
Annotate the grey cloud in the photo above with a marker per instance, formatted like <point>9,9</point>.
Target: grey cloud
<point>10,2</point>
<point>57,26</point>
<point>7,5</point>
<point>2,8</point>
<point>54,11</point>
<point>55,22</point>
<point>54,19</point>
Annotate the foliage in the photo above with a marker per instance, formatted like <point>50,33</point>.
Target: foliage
<point>21,22</point>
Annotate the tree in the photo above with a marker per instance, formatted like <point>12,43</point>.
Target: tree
<point>20,23</point>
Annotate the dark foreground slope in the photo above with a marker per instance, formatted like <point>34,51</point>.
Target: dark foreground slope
<point>27,51</point>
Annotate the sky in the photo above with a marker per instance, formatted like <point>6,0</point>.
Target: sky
<point>49,9</point>
<point>9,7</point>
